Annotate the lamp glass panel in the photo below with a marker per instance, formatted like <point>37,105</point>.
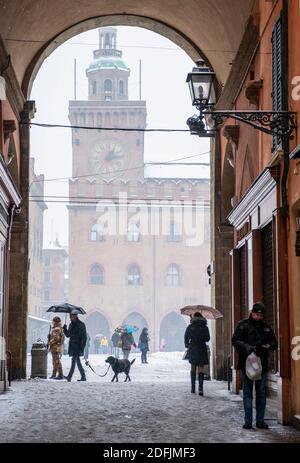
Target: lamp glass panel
<point>202,86</point>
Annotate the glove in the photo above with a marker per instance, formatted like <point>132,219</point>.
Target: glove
<point>64,327</point>
<point>250,349</point>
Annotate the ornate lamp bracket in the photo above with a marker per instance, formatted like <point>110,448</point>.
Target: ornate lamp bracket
<point>280,124</point>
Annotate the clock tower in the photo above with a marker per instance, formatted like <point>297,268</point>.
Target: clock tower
<point>107,154</point>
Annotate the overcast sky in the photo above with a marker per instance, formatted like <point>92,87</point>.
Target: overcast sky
<point>164,71</point>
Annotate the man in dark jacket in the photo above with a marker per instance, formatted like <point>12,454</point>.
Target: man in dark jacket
<point>77,335</point>
<point>253,334</point>
<point>195,338</point>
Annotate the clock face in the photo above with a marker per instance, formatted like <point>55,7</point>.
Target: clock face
<point>107,158</point>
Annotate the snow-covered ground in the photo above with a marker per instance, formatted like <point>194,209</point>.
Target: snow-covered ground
<point>156,406</point>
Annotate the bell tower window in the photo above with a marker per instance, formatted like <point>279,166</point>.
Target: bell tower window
<point>107,89</point>
<point>94,87</point>
<point>121,88</point>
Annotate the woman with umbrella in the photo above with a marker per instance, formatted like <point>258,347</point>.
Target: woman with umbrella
<point>195,339</point>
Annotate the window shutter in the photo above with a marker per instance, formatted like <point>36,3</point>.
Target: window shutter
<point>277,87</point>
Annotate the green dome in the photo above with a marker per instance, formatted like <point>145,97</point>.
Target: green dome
<point>107,63</point>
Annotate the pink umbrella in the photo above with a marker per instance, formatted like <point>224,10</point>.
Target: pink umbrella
<point>206,311</point>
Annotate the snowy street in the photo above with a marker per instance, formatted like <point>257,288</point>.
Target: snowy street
<point>156,406</point>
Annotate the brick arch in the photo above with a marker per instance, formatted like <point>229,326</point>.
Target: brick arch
<point>110,20</point>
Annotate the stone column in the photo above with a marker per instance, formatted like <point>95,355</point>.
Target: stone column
<point>221,245</point>
<point>19,263</point>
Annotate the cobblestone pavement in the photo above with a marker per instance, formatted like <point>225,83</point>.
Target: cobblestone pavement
<point>154,407</point>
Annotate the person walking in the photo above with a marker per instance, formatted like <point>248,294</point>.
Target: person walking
<point>127,342</point>
<point>144,344</point>
<point>115,341</point>
<point>253,334</point>
<point>104,345</point>
<point>77,334</point>
<point>56,345</point>
<point>195,338</point>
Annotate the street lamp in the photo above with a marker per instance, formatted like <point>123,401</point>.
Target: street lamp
<point>280,124</point>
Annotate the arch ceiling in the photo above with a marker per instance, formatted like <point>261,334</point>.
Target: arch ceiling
<point>214,27</point>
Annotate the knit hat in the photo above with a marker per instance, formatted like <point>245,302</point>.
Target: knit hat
<point>258,307</point>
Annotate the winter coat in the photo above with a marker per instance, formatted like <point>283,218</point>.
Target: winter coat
<point>195,338</point>
<point>143,342</point>
<point>56,343</point>
<point>250,333</point>
<point>115,339</point>
<point>127,341</point>
<point>77,334</point>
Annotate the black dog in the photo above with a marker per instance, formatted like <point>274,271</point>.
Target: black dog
<point>119,366</point>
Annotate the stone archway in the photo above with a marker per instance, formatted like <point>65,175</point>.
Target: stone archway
<point>97,324</point>
<point>153,25</point>
<point>172,329</point>
<point>137,319</point>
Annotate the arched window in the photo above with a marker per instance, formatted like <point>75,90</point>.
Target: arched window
<point>96,276</point>
<point>107,89</point>
<point>121,87</point>
<point>133,232</point>
<point>97,232</point>
<point>134,276</point>
<point>172,278</point>
<point>174,233</point>
<point>94,87</point>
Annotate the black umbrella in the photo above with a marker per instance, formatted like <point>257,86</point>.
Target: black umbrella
<point>66,308</point>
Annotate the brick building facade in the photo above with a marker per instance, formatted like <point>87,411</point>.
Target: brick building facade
<point>130,256</point>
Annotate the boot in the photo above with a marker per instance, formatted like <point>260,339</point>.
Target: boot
<point>53,375</point>
<point>193,382</point>
<point>59,377</point>
<point>82,379</point>
<point>201,379</point>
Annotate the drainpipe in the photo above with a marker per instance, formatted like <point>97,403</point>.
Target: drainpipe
<point>285,106</point>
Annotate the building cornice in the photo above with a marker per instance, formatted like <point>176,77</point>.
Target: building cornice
<point>262,187</point>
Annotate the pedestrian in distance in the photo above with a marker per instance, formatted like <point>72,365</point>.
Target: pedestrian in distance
<point>114,342</point>
<point>56,346</point>
<point>77,334</point>
<point>195,338</point>
<point>128,341</point>
<point>87,346</point>
<point>104,344</point>
<point>253,334</point>
<point>143,344</point>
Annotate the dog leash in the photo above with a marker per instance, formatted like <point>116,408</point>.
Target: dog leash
<point>89,365</point>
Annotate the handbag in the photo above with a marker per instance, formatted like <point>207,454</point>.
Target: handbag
<point>185,355</point>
